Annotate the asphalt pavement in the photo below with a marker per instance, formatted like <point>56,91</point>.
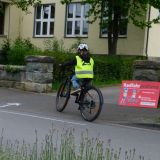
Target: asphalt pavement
<point>129,115</point>
<point>44,104</point>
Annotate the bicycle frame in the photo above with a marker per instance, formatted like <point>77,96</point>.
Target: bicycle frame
<point>81,93</point>
<point>86,105</point>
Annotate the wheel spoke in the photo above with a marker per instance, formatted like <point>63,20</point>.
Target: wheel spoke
<point>92,104</point>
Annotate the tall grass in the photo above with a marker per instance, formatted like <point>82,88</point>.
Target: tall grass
<point>64,146</point>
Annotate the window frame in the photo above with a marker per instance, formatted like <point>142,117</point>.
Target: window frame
<point>42,20</point>
<point>75,19</point>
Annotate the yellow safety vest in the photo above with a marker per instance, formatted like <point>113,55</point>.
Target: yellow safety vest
<point>84,69</point>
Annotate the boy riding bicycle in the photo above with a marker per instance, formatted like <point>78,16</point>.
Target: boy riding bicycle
<point>88,97</point>
<point>83,67</point>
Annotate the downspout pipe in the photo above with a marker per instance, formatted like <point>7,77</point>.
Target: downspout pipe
<point>9,19</point>
<point>148,28</point>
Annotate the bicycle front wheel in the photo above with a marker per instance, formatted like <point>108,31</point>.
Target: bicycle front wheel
<point>62,97</point>
<point>92,103</point>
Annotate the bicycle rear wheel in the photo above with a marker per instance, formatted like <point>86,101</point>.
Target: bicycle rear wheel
<point>62,97</point>
<point>92,102</point>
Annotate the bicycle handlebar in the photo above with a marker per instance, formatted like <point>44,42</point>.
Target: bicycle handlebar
<point>65,71</point>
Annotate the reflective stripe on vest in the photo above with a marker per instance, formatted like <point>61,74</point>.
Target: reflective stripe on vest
<point>83,69</point>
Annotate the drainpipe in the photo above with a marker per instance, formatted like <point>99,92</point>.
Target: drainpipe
<point>9,22</point>
<point>147,36</point>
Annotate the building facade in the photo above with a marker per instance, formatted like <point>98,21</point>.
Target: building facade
<point>153,45</point>
<point>68,23</point>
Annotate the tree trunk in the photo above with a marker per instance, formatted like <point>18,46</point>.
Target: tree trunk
<point>110,27</point>
<point>116,21</point>
<point>113,31</point>
<point>110,38</point>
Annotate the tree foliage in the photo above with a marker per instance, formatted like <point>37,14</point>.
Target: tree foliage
<point>1,8</point>
<point>114,10</point>
<point>24,4</point>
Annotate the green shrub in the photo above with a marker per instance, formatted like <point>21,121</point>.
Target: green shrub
<point>4,52</point>
<point>114,68</point>
<point>59,59</point>
<point>108,69</point>
<point>11,69</point>
<point>18,50</point>
<point>127,66</point>
<point>57,46</point>
<point>74,46</point>
<point>54,45</point>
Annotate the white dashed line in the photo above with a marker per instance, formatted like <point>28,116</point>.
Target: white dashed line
<point>10,104</point>
<point>44,118</point>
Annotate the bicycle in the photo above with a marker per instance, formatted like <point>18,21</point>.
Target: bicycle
<point>89,105</point>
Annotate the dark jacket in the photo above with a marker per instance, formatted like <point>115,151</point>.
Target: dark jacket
<point>85,58</point>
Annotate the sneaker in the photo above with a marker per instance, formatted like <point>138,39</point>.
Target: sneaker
<point>75,92</point>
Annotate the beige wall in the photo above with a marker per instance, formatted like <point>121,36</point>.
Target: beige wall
<point>132,45</point>
<point>154,37</point>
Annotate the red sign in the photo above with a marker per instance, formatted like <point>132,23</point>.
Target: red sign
<point>139,94</point>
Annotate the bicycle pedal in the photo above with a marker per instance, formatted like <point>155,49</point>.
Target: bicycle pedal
<point>75,92</point>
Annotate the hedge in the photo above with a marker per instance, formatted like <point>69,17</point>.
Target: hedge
<point>107,68</point>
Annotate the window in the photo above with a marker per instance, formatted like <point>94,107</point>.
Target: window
<point>44,20</point>
<point>2,13</point>
<point>122,25</point>
<point>76,21</point>
<point>122,28</point>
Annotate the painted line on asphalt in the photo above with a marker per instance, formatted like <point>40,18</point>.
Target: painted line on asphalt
<point>128,126</point>
<point>10,104</point>
<point>76,123</point>
<point>44,118</point>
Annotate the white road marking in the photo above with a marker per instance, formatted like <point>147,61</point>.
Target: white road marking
<point>10,104</point>
<point>76,123</point>
<point>45,118</point>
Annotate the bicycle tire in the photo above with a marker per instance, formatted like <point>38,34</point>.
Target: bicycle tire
<point>94,103</point>
<point>62,94</point>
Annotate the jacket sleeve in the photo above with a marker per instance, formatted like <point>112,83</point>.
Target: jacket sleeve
<point>70,63</point>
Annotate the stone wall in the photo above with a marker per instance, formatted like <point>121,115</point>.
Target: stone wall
<point>36,76</point>
<point>146,70</point>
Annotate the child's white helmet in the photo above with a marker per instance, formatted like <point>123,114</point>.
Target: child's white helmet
<point>82,46</point>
